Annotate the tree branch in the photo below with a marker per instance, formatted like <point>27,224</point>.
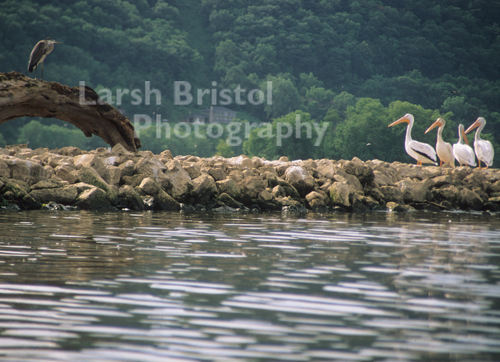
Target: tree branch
<point>21,96</point>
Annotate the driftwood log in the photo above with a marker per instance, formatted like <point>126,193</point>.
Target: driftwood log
<point>21,96</point>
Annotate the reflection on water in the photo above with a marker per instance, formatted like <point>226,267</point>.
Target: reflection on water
<point>84,286</point>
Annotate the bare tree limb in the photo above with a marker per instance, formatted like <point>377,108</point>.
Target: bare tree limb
<point>21,96</point>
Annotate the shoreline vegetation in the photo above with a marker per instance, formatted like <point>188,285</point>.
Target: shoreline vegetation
<point>108,179</point>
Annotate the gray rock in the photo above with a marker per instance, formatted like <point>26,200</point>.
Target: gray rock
<point>300,179</point>
<point>94,199</point>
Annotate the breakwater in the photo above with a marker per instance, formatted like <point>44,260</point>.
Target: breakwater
<point>114,179</point>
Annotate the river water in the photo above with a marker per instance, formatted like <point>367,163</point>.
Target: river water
<point>158,286</point>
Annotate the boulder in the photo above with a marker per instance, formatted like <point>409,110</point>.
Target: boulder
<point>316,201</point>
<point>392,194</point>
<point>300,179</point>
<point>469,200</point>
<point>413,191</point>
<point>28,171</point>
<point>250,188</point>
<point>180,181</point>
<point>66,195</point>
<point>204,188</point>
<point>67,173</point>
<point>340,193</point>
<point>357,168</point>
<point>229,201</point>
<point>162,200</point>
<point>94,199</point>
<point>4,169</point>
<point>230,187</point>
<point>193,169</point>
<point>90,176</point>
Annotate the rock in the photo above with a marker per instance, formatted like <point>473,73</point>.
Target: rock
<point>120,151</point>
<point>4,169</point>
<point>392,194</point>
<point>217,173</point>
<point>112,175</point>
<point>28,171</point>
<point>162,200</point>
<point>127,168</point>
<point>130,198</point>
<point>167,155</point>
<point>441,181</point>
<point>392,206</point>
<point>62,195</point>
<point>340,194</point>
<point>447,193</point>
<point>193,169</point>
<point>300,179</point>
<point>413,191</point>
<point>90,176</point>
<point>250,188</point>
<point>278,192</point>
<point>70,151</point>
<point>180,181</point>
<point>242,161</point>
<point>204,188</point>
<point>15,189</point>
<point>469,200</point>
<point>316,201</point>
<point>357,168</point>
<point>229,201</point>
<point>94,199</point>
<point>230,187</point>
<point>67,173</point>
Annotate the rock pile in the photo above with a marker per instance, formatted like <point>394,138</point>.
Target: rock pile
<point>113,179</point>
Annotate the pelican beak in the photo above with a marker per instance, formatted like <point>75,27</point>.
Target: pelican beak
<point>401,120</point>
<point>464,136</point>
<point>472,126</point>
<point>434,125</point>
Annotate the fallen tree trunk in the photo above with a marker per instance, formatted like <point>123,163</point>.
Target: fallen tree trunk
<point>21,96</point>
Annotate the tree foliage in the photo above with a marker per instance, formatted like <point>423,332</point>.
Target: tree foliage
<point>354,65</point>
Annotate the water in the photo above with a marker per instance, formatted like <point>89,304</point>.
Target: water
<point>87,286</point>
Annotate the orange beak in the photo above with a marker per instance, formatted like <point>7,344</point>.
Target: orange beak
<point>435,124</point>
<point>472,126</point>
<point>401,120</point>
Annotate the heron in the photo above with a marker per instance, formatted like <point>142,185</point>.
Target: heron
<point>39,52</point>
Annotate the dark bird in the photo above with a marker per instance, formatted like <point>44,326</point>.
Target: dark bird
<point>39,52</point>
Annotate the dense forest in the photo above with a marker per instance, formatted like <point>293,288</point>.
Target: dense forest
<point>307,78</point>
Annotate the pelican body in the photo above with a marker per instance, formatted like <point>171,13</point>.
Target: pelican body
<point>422,152</point>
<point>462,151</point>
<point>39,53</point>
<point>444,149</point>
<point>484,149</point>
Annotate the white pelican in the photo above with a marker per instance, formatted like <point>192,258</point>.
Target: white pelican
<point>443,149</point>
<point>484,149</point>
<point>422,152</point>
<point>463,152</point>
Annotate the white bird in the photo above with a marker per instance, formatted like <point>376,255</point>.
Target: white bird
<point>444,149</point>
<point>422,152</point>
<point>484,149</point>
<point>462,151</point>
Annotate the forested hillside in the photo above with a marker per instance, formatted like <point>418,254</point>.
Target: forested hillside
<point>343,69</point>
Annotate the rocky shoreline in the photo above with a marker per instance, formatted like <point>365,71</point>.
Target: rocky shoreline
<point>116,179</point>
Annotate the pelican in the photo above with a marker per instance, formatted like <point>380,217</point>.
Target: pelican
<point>443,149</point>
<point>462,151</point>
<point>483,148</point>
<point>422,152</point>
<point>39,52</point>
